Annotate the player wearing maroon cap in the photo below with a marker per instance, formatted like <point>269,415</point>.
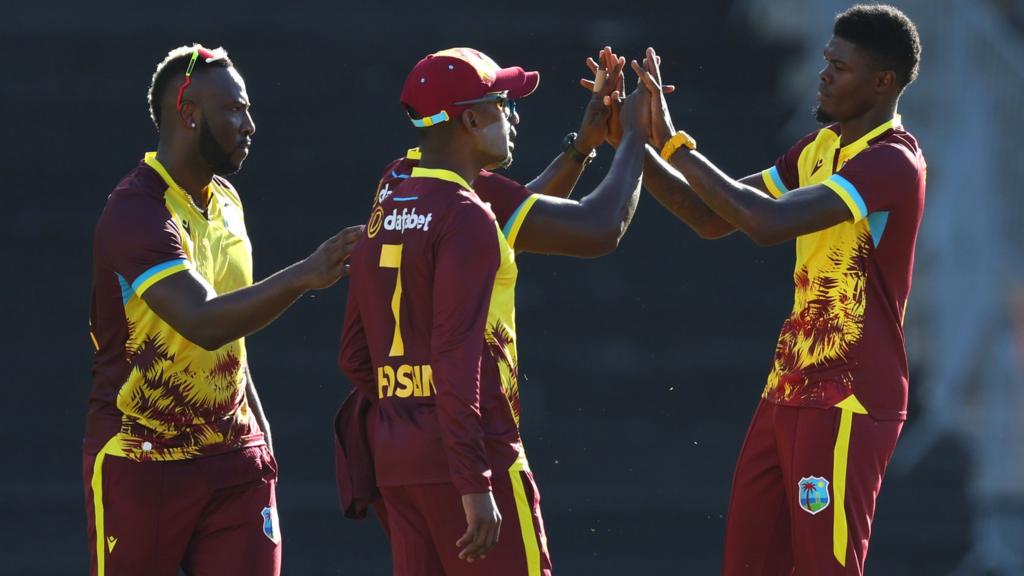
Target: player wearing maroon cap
<point>177,465</point>
<point>852,195</point>
<point>429,332</point>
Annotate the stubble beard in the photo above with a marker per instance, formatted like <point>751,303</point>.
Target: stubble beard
<point>213,154</point>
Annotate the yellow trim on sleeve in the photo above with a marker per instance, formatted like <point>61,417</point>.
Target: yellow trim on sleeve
<point>525,514</point>
<point>840,457</point>
<point>855,210</point>
<point>769,183</point>
<point>160,276</point>
<point>517,219</point>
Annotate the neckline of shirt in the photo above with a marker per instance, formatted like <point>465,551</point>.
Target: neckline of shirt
<point>152,162</point>
<point>862,142</point>
<point>440,174</point>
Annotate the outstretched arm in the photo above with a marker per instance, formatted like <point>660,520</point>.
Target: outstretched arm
<point>189,304</point>
<point>593,225</point>
<point>561,175</point>
<point>747,207</point>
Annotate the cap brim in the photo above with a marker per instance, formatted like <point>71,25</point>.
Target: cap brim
<point>518,82</point>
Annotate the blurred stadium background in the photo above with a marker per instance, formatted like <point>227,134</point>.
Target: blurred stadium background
<point>641,369</point>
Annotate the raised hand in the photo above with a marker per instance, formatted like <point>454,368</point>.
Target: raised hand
<point>650,77</point>
<point>636,112</point>
<point>483,524</point>
<point>607,76</point>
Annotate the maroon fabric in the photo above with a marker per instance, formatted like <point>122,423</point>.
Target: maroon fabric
<point>427,520</point>
<point>353,464</point>
<point>767,532</point>
<point>890,176</point>
<point>500,194</point>
<point>459,428</point>
<point>204,515</point>
<point>135,232</point>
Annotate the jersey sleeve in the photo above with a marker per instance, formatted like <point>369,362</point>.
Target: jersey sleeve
<point>466,262</point>
<point>784,175</point>
<point>878,179</point>
<point>509,200</point>
<point>138,238</point>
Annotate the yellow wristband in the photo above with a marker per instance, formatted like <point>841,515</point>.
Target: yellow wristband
<point>676,142</point>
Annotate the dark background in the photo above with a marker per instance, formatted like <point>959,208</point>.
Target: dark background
<point>639,370</point>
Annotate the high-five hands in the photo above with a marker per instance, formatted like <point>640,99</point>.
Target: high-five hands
<point>613,91</point>
<point>607,78</point>
<point>661,120</point>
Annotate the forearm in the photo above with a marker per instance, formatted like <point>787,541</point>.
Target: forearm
<point>744,207</point>
<point>672,191</point>
<point>610,207</point>
<point>558,179</point>
<point>228,317</point>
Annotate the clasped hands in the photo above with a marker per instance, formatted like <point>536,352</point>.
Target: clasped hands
<point>609,111</point>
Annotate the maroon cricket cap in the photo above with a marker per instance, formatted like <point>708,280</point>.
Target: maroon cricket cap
<point>443,78</point>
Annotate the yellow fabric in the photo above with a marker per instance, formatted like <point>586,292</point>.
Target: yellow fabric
<point>844,194</point>
<point>501,323</point>
<point>840,529</point>
<point>391,257</point>
<point>769,184</point>
<point>413,154</point>
<point>113,447</point>
<point>441,174</point>
<point>518,217</point>
<point>824,261</point>
<point>525,514</point>
<point>206,388</point>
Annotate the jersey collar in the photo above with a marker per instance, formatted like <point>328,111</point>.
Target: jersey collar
<point>413,153</point>
<point>861,143</point>
<point>440,174</point>
<point>152,162</point>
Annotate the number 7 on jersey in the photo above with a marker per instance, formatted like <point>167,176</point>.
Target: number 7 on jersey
<point>391,257</point>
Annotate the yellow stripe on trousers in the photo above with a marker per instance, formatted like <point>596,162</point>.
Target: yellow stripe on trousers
<point>111,448</point>
<point>525,512</point>
<point>840,456</point>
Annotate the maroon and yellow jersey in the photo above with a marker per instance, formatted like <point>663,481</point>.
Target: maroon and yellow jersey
<point>155,394</point>
<point>843,342</point>
<point>429,329</point>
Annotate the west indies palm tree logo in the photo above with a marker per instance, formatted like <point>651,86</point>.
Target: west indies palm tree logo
<point>813,494</point>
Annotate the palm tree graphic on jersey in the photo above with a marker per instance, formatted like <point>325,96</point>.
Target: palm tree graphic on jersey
<point>503,349</point>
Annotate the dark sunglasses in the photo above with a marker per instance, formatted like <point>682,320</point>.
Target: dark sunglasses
<point>507,105</point>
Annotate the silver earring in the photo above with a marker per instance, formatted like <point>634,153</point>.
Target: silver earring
<point>193,124</point>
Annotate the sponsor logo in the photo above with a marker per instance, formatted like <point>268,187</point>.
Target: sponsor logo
<point>405,381</point>
<point>376,219</point>
<point>812,494</point>
<point>384,192</point>
<point>270,524</point>
<point>817,166</point>
<point>407,220</point>
<point>111,542</point>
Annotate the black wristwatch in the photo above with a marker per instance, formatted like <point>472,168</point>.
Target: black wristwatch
<point>569,150</point>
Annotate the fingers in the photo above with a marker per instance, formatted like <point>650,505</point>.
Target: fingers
<point>479,539</point>
<point>646,79</point>
<point>588,84</point>
<point>592,65</point>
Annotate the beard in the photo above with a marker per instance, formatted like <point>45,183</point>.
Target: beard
<point>217,159</point>
<point>823,117</point>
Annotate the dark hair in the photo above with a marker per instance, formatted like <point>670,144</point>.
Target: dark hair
<point>887,34</point>
<point>171,72</point>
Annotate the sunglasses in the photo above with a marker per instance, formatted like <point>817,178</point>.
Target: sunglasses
<point>506,104</point>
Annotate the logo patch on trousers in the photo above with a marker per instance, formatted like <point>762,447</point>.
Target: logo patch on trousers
<point>271,527</point>
<point>813,494</point>
<point>111,542</point>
